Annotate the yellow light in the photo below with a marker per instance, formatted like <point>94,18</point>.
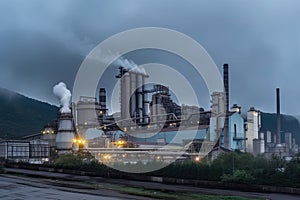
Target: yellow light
<point>107,157</point>
<point>74,141</point>
<point>197,159</point>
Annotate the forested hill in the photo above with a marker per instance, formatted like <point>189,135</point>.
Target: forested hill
<point>20,115</point>
<point>288,124</point>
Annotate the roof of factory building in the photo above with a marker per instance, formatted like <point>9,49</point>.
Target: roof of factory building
<point>13,141</point>
<point>26,137</point>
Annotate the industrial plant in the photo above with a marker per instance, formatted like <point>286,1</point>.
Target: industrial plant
<point>150,126</point>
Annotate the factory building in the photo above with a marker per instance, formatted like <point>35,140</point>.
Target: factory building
<point>15,150</point>
<point>138,110</point>
<point>277,148</point>
<point>218,112</point>
<point>288,142</point>
<point>274,146</point>
<point>259,145</point>
<point>236,133</point>
<point>133,96</point>
<point>252,127</point>
<point>171,136</point>
<point>226,126</point>
<point>162,107</point>
<point>285,149</point>
<point>156,121</point>
<point>34,151</point>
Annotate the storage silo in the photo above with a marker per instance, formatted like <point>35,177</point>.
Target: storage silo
<point>133,97</point>
<point>87,112</point>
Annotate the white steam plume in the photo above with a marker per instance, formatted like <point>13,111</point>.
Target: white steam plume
<point>129,64</point>
<point>107,57</point>
<point>60,90</point>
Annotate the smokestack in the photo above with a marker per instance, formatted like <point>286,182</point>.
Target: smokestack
<point>226,85</point>
<point>278,115</point>
<point>60,90</point>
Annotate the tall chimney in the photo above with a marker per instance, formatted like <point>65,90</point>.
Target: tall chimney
<point>226,88</point>
<point>278,141</point>
<point>226,85</point>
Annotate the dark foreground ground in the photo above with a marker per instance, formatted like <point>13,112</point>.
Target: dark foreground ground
<point>65,186</point>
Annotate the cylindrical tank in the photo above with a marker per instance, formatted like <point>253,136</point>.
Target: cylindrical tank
<point>65,133</point>
<point>154,111</point>
<point>145,101</point>
<point>87,112</point>
<point>133,94</point>
<point>125,96</point>
<point>139,86</point>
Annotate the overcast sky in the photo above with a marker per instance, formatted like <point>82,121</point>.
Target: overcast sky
<point>44,42</point>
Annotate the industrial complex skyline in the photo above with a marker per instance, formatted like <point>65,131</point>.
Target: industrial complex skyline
<point>43,43</point>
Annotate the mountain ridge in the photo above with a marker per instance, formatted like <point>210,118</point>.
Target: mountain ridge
<point>21,115</point>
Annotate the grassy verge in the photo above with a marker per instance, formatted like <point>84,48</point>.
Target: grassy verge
<point>176,195</point>
<point>165,194</point>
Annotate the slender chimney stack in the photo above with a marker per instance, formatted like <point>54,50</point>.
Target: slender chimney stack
<point>278,141</point>
<point>226,85</point>
<point>226,88</point>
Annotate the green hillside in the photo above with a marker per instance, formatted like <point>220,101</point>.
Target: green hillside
<point>288,124</point>
<point>20,115</point>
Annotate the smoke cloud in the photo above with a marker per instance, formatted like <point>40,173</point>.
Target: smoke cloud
<point>129,64</point>
<point>60,90</point>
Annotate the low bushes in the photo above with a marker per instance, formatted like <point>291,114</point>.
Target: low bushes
<point>235,167</point>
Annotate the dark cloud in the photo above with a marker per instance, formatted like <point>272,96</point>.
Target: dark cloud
<point>44,42</point>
